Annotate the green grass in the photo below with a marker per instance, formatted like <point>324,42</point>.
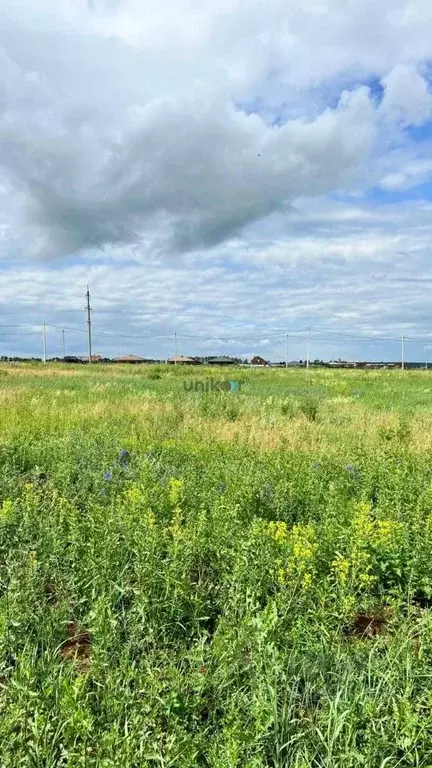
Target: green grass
<point>250,585</point>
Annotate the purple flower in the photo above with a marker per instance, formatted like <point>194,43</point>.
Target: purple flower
<point>124,455</point>
<point>108,476</point>
<point>351,469</point>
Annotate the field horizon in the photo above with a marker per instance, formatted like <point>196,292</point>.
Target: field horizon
<point>215,578</point>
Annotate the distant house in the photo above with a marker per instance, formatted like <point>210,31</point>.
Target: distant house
<point>94,359</point>
<point>131,359</point>
<point>183,360</point>
<point>342,364</point>
<point>257,360</point>
<point>222,360</point>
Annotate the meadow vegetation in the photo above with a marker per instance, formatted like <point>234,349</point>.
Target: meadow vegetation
<point>215,579</point>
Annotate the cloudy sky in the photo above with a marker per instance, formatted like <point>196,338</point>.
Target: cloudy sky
<point>229,170</point>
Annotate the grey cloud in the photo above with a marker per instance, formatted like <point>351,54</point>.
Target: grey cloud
<point>118,124</point>
<point>205,168</point>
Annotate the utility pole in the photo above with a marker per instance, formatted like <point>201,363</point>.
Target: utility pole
<point>286,363</point>
<point>44,343</point>
<point>175,349</point>
<point>88,308</point>
<point>403,352</point>
<point>308,348</point>
<point>64,345</point>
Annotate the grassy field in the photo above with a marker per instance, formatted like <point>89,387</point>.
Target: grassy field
<point>215,579</point>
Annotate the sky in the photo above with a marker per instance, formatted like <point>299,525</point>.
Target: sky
<point>231,171</point>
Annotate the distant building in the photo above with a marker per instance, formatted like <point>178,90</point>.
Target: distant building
<point>131,359</point>
<point>341,364</point>
<point>257,360</point>
<point>222,360</point>
<point>183,360</point>
<point>94,359</point>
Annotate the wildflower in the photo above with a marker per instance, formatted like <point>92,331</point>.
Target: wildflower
<point>315,466</point>
<point>278,530</point>
<point>123,456</point>
<point>108,476</point>
<point>151,519</point>
<point>341,567</point>
<point>6,509</point>
<point>221,487</point>
<point>304,545</point>
<point>133,494</point>
<point>307,580</point>
<point>281,575</point>
<point>385,530</point>
<point>366,579</point>
<point>351,469</point>
<point>175,490</point>
<point>176,523</point>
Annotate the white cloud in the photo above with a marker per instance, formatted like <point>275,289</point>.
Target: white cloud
<point>121,121</point>
<point>186,154</point>
<point>371,278</point>
<point>406,96</point>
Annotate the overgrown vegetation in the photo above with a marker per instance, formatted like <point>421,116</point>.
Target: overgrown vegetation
<point>215,579</point>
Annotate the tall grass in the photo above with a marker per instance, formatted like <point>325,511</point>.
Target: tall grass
<point>210,579</point>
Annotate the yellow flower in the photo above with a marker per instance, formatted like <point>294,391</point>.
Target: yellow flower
<point>366,579</point>
<point>150,519</point>
<point>133,494</point>
<point>386,530</point>
<point>175,491</point>
<point>303,542</point>
<point>278,531</point>
<point>176,523</point>
<point>6,510</point>
<point>307,580</point>
<point>341,568</point>
<point>362,523</point>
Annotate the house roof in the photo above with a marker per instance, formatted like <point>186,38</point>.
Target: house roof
<point>95,358</point>
<point>221,359</point>
<point>183,359</point>
<point>130,359</point>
